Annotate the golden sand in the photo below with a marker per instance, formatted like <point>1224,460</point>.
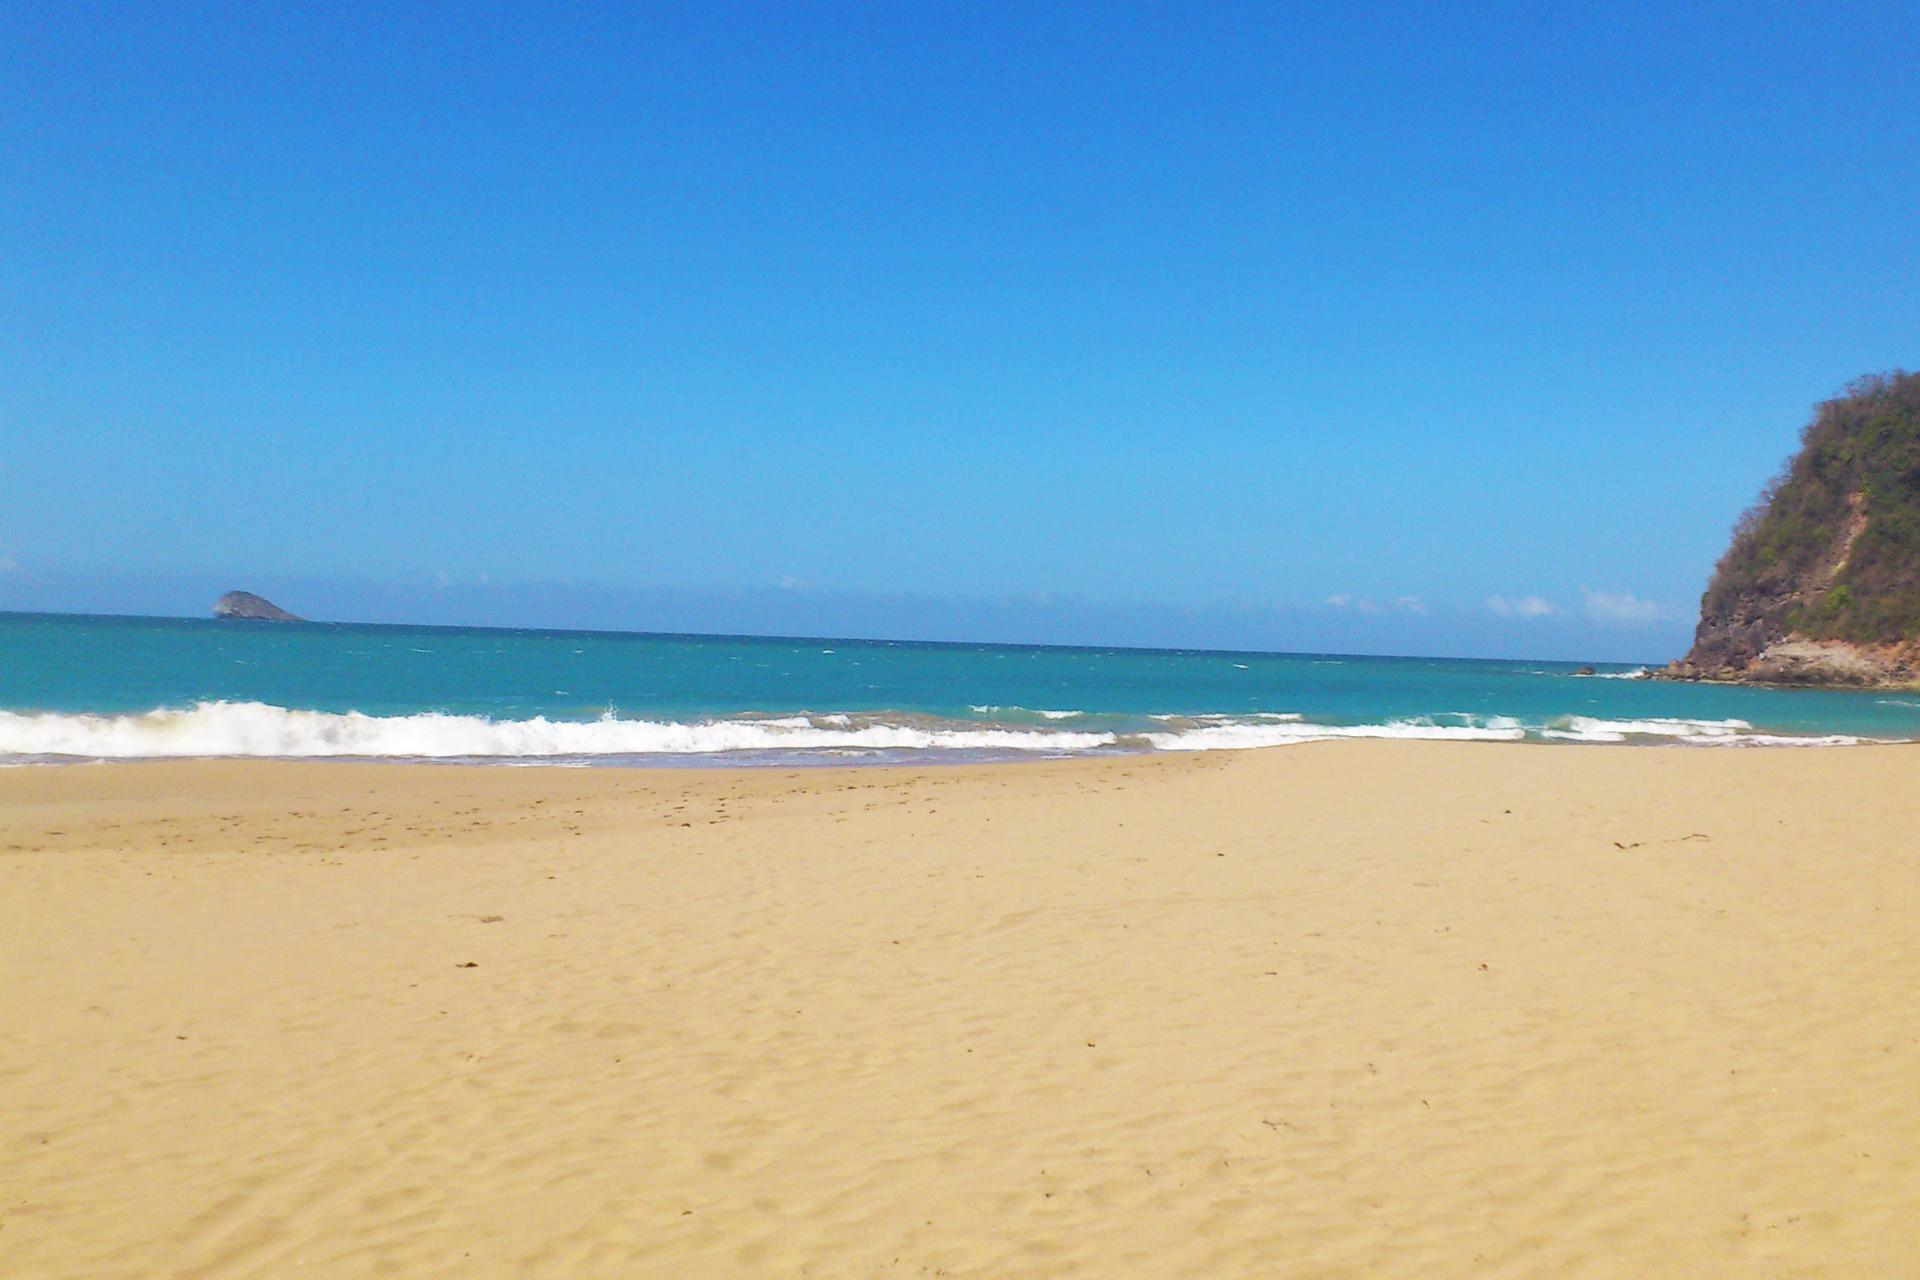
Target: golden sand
<point>1353,1009</point>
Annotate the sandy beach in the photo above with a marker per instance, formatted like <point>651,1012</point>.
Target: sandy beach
<point>1352,1009</point>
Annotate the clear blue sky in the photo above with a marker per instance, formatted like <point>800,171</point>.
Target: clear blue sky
<point>1400,328</point>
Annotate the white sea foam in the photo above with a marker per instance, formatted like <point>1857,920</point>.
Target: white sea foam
<point>1638,673</point>
<point>1227,733</point>
<point>1249,717</point>
<point>1594,729</point>
<point>1242,736</point>
<point>1689,732</point>
<point>256,729</point>
<point>990,709</point>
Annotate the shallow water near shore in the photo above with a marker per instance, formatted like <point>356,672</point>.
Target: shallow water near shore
<point>92,688</point>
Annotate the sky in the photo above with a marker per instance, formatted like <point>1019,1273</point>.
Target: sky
<point>1389,328</point>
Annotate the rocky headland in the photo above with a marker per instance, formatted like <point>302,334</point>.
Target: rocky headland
<point>1821,583</point>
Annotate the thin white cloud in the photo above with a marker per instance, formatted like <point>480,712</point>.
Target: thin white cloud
<point>1623,606</point>
<point>1520,606</point>
<point>1371,607</point>
<point>9,565</point>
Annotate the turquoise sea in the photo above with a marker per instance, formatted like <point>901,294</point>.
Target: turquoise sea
<point>90,688</point>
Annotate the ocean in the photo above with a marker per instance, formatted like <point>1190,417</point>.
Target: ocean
<point>81,688</point>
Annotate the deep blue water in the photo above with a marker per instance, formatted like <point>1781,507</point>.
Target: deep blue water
<point>94,687</point>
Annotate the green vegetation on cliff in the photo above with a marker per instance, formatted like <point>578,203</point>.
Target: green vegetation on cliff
<point>1835,538</point>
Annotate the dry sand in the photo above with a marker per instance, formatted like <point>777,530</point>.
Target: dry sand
<point>1353,1009</point>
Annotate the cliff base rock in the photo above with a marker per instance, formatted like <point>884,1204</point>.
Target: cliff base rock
<point>1798,660</point>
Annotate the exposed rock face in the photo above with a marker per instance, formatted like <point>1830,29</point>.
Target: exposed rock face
<point>1821,585</point>
<point>1795,660</point>
<point>246,606</point>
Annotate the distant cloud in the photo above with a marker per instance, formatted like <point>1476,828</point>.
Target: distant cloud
<point>9,565</point>
<point>1362,604</point>
<point>1520,606</point>
<point>791,583</point>
<point>1623,606</point>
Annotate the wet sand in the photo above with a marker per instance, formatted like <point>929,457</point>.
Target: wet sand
<point>1350,1009</point>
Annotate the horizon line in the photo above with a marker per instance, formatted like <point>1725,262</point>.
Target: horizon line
<point>895,641</point>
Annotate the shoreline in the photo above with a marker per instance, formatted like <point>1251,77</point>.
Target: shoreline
<point>235,731</point>
<point>1363,1008</point>
<point>940,760</point>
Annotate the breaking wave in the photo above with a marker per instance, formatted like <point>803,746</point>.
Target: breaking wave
<point>225,729</point>
<point>1022,712</point>
<point>256,729</point>
<point>1241,736</point>
<point>1689,732</point>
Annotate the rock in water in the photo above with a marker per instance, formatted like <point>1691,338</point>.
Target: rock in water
<point>246,606</point>
<point>1821,585</point>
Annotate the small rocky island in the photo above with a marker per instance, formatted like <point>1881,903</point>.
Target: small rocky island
<point>247,607</point>
<point>1821,585</point>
